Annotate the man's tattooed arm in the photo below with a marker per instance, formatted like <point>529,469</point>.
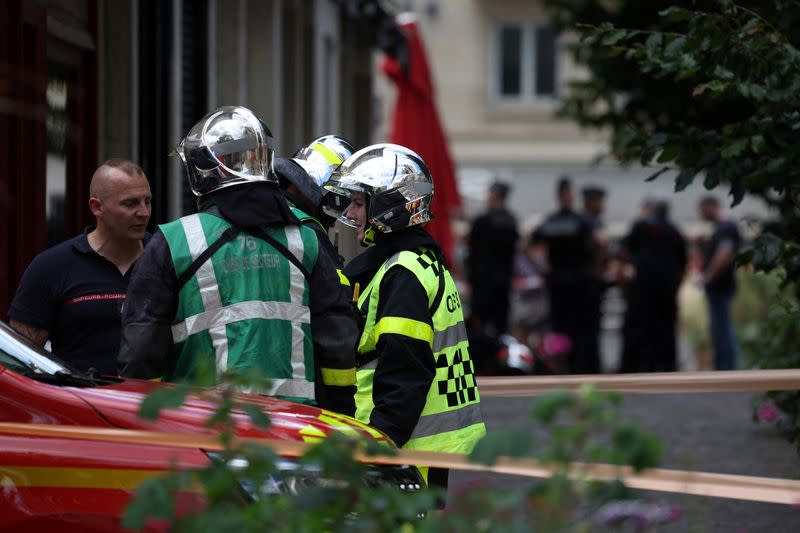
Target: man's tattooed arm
<point>35,335</point>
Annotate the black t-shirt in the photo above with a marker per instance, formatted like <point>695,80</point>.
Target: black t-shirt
<point>76,295</point>
<point>726,233</point>
<point>570,245</point>
<point>658,251</point>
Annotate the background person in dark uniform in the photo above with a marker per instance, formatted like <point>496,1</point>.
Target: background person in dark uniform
<point>72,293</point>
<point>657,254</point>
<point>594,205</point>
<point>490,265</point>
<point>571,281</point>
<point>719,281</point>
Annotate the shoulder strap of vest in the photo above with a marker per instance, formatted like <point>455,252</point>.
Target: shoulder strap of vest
<point>299,213</point>
<point>311,221</point>
<point>305,218</point>
<point>261,234</point>
<point>440,274</point>
<point>226,237</point>
<point>439,293</point>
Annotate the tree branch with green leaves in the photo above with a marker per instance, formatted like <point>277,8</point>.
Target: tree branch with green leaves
<point>710,89</point>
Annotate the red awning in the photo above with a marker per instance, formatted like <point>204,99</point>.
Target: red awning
<point>416,125</point>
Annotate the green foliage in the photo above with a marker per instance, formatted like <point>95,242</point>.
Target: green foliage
<point>162,398</point>
<point>710,89</point>
<point>582,427</point>
<point>771,344</point>
<point>325,490</point>
<point>257,416</point>
<point>632,446</point>
<point>248,486</point>
<point>546,408</point>
<point>764,251</point>
<point>506,443</point>
<point>155,501</point>
<point>593,431</point>
<point>757,298</point>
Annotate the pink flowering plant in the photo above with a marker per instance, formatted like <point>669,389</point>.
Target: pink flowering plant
<point>777,345</point>
<point>767,412</point>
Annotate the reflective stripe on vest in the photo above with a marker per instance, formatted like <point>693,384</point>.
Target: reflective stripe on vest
<point>293,388</point>
<point>450,336</point>
<point>297,290</point>
<point>404,326</point>
<point>275,335</point>
<point>220,317</point>
<point>340,377</point>
<point>209,289</point>
<point>434,424</point>
<point>451,419</point>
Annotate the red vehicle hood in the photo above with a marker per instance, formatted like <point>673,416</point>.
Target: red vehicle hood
<point>119,404</point>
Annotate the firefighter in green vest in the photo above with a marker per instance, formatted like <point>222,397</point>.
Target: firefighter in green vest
<point>301,178</point>
<point>242,283</point>
<point>415,377</point>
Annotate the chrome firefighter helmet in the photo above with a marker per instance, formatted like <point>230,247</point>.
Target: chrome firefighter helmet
<point>318,159</point>
<point>229,146</point>
<point>397,184</point>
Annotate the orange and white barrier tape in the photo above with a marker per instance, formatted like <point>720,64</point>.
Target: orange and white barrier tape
<point>653,383</point>
<point>753,488</point>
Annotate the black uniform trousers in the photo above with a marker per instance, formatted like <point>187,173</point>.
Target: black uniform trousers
<point>575,312</point>
<point>649,343</point>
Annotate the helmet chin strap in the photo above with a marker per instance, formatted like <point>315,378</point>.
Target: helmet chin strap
<point>369,236</point>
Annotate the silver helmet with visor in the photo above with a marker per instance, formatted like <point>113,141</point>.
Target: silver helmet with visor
<point>229,146</point>
<point>397,184</point>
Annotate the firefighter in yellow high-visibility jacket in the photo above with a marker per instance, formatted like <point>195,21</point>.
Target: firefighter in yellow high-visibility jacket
<point>415,378</point>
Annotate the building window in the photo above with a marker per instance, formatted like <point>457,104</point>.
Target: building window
<point>524,62</point>
<point>511,61</point>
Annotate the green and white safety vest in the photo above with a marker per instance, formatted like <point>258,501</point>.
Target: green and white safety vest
<point>451,420</point>
<point>247,307</point>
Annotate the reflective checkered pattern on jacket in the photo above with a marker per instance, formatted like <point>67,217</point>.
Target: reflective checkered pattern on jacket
<point>451,420</point>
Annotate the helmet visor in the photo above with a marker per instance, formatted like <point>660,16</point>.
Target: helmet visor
<point>339,201</point>
<point>335,204</point>
<point>339,189</point>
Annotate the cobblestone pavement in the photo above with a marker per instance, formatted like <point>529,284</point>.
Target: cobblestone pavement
<point>709,432</point>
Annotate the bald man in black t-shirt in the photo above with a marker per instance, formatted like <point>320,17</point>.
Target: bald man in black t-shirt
<point>72,293</point>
